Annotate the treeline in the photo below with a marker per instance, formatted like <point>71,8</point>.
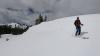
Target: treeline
<point>17,29</point>
<point>5,29</point>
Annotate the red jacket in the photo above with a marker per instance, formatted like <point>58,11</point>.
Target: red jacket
<point>77,23</point>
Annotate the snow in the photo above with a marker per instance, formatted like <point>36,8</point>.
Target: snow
<point>13,25</point>
<point>55,38</point>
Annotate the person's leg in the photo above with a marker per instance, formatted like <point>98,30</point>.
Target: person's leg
<point>76,31</point>
<point>79,31</point>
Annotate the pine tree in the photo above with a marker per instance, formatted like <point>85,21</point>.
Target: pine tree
<point>39,20</point>
<point>45,19</point>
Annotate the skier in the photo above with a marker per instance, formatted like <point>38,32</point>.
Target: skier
<point>78,24</point>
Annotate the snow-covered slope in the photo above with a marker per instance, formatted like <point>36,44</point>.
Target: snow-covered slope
<point>55,38</point>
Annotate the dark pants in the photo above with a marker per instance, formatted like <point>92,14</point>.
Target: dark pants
<point>78,31</point>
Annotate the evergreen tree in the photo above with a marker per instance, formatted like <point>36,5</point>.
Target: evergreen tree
<point>39,20</point>
<point>45,19</point>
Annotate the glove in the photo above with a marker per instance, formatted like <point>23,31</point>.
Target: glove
<point>82,24</point>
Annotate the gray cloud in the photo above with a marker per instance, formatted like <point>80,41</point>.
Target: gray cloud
<point>65,7</point>
<point>53,9</point>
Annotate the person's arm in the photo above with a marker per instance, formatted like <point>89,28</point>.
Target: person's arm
<point>81,23</point>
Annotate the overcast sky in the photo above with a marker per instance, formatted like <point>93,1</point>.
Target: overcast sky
<point>56,8</point>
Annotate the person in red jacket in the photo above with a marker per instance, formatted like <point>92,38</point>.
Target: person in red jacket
<point>78,24</point>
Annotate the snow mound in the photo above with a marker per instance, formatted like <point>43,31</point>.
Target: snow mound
<point>56,38</point>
